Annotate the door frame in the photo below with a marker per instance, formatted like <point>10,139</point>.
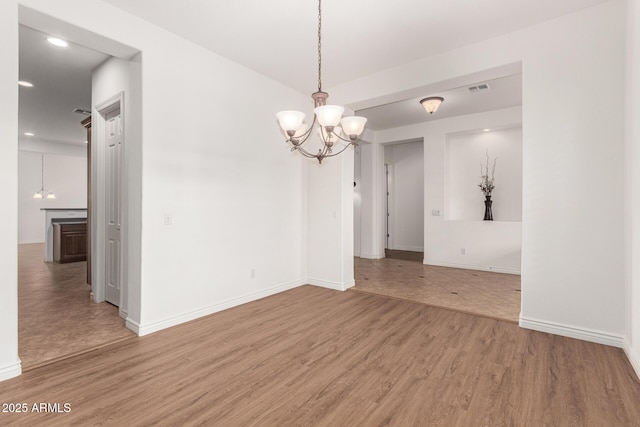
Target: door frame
<point>99,204</point>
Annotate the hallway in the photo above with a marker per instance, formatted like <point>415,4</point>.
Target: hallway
<point>56,318</point>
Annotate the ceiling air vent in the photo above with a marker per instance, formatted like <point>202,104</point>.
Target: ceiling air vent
<point>81,111</point>
<point>479,88</point>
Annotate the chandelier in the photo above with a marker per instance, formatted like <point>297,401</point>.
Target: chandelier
<point>336,132</point>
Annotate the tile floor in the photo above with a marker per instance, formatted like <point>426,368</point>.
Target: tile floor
<point>56,317</point>
<point>483,293</point>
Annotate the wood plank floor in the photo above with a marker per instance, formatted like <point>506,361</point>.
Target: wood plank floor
<point>55,316</point>
<point>402,275</point>
<point>318,357</point>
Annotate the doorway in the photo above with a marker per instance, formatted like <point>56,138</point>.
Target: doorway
<point>56,316</point>
<point>404,201</point>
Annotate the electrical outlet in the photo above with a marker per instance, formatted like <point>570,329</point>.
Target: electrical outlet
<point>463,251</point>
<point>168,219</point>
<point>253,273</point>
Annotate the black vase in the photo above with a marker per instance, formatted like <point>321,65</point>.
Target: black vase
<point>488,215</point>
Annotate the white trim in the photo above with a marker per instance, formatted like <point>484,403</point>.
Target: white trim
<point>124,314</point>
<point>475,267</point>
<point>11,371</point>
<point>572,332</point>
<point>98,208</point>
<point>368,255</point>
<point>633,357</point>
<point>331,285</point>
<point>132,325</point>
<point>142,329</point>
<point>407,248</point>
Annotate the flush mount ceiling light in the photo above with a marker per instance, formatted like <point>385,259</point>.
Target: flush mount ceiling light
<point>40,194</point>
<point>335,131</point>
<point>432,103</point>
<point>25,83</point>
<point>57,42</point>
<point>29,133</point>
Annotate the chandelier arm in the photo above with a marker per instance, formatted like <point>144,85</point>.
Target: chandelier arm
<point>344,139</point>
<point>344,148</point>
<point>304,152</point>
<point>323,135</point>
<point>305,135</point>
<point>303,138</point>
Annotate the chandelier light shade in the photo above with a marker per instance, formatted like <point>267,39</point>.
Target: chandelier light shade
<point>290,121</point>
<point>431,104</point>
<point>353,125</point>
<point>40,194</point>
<point>332,127</point>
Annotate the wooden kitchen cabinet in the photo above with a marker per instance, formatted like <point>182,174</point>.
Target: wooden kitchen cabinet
<point>69,242</point>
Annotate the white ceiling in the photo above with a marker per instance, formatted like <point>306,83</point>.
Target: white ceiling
<point>62,82</point>
<point>278,38</point>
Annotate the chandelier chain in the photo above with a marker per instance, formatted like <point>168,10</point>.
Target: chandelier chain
<point>319,45</point>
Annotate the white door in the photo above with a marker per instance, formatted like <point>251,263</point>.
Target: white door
<point>112,205</point>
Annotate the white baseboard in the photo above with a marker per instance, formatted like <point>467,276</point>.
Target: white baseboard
<point>474,267</point>
<point>146,329</point>
<point>11,371</point>
<point>634,358</point>
<point>123,313</point>
<point>133,326</point>
<point>407,248</point>
<point>572,332</point>
<point>368,255</point>
<point>331,285</point>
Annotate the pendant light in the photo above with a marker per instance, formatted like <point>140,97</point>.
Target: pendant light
<point>40,194</point>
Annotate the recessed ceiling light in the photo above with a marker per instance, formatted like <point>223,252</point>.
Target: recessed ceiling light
<point>29,133</point>
<point>25,83</point>
<point>57,42</point>
<point>486,130</point>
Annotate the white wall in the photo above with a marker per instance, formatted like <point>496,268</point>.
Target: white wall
<point>330,221</point>
<point>632,188</point>
<point>9,361</point>
<point>406,195</point>
<point>465,154</point>
<point>572,223</point>
<point>372,218</point>
<point>475,244</point>
<point>64,175</point>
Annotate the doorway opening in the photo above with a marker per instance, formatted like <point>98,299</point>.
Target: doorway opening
<point>468,264</point>
<point>57,318</point>
<point>404,201</point>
